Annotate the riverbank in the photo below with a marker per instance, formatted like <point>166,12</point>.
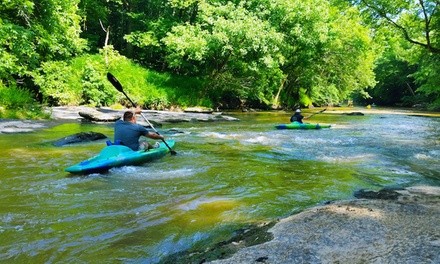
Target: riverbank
<point>390,226</point>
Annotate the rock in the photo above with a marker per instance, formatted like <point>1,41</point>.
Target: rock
<point>97,116</point>
<point>19,126</point>
<point>104,115</point>
<point>163,117</point>
<point>155,117</point>
<point>355,114</point>
<point>203,110</point>
<point>384,194</point>
<point>245,237</point>
<point>144,123</point>
<point>401,230</point>
<point>174,131</point>
<point>79,138</point>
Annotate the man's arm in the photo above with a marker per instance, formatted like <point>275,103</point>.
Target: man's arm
<point>154,135</point>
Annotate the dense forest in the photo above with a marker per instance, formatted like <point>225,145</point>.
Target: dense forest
<point>266,54</point>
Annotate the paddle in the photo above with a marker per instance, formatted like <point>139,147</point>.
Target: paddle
<point>118,87</point>
<point>315,113</point>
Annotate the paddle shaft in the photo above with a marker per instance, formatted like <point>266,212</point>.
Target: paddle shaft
<point>118,87</point>
<point>315,113</point>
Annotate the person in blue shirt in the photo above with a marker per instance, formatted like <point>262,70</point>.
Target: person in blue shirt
<point>128,133</point>
<point>297,116</point>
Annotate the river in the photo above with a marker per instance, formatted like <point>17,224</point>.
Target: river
<point>225,176</point>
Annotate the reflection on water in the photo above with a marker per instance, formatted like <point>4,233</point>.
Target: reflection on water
<point>225,175</point>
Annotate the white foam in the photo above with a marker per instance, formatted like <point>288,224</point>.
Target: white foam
<point>422,156</point>
<point>155,173</point>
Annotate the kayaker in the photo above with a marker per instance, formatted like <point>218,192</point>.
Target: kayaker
<point>128,133</point>
<point>297,116</point>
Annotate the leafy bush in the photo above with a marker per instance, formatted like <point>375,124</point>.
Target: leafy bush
<point>19,103</point>
<point>12,97</point>
<point>83,80</point>
<point>54,79</point>
<point>94,90</point>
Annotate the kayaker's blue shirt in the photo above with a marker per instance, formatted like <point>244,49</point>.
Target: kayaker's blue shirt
<point>129,133</point>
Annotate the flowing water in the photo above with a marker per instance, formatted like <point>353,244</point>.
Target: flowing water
<point>226,175</point>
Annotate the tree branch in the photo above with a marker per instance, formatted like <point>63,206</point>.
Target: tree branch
<point>427,19</point>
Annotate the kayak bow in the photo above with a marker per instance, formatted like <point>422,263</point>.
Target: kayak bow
<point>297,125</point>
<point>118,156</point>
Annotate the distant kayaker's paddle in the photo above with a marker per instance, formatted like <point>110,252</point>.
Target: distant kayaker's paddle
<point>118,87</point>
<point>315,113</point>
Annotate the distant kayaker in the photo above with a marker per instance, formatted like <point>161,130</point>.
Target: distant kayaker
<point>127,132</point>
<point>297,116</point>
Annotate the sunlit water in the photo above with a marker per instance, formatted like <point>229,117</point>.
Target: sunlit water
<point>225,176</point>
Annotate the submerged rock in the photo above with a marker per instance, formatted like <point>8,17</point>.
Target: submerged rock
<point>385,194</point>
<point>79,138</point>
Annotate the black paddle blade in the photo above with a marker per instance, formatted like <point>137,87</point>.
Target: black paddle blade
<point>115,82</point>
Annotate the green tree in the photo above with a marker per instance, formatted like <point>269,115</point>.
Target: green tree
<point>235,50</point>
<point>328,52</point>
<point>417,23</point>
<point>32,32</point>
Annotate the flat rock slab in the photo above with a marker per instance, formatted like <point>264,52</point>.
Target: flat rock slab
<point>179,117</point>
<point>155,117</point>
<point>106,115</point>
<point>19,126</point>
<point>401,230</point>
<point>96,116</point>
<point>198,110</point>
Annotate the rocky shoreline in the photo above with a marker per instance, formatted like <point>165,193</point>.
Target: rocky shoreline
<point>389,226</point>
<point>106,115</point>
<point>156,117</point>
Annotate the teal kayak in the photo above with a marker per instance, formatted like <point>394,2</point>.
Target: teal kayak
<point>118,156</point>
<point>296,125</point>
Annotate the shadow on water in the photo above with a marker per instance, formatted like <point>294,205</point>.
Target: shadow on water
<point>226,176</point>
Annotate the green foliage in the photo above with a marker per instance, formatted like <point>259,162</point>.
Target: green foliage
<point>16,47</point>
<point>94,90</point>
<point>230,47</point>
<point>54,79</point>
<point>427,77</point>
<point>416,51</point>
<point>329,52</point>
<point>394,80</point>
<point>221,53</point>
<point>13,97</point>
<point>19,103</point>
<point>180,90</point>
<point>38,35</point>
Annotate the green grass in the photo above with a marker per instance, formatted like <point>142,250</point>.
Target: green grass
<point>16,103</point>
